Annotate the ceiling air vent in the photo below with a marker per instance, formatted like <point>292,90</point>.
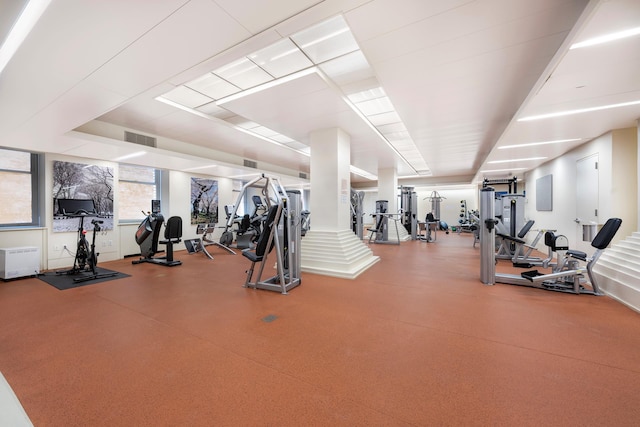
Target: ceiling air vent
<point>136,138</point>
<point>250,164</point>
<point>302,175</point>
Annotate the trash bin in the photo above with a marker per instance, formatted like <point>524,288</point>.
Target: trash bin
<point>589,232</point>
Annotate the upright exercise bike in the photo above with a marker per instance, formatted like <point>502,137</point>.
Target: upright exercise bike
<point>86,258</point>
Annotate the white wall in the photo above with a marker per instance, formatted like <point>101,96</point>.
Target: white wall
<point>106,241</point>
<point>119,242</point>
<point>449,207</point>
<point>611,192</point>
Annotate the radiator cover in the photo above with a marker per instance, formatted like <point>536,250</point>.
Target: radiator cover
<point>19,262</point>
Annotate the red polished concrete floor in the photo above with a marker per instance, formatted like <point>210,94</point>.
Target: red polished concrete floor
<point>415,340</point>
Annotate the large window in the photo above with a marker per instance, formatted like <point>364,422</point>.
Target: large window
<point>138,185</point>
<point>18,188</point>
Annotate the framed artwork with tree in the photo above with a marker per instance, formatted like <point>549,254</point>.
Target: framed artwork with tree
<point>204,201</point>
<point>82,182</point>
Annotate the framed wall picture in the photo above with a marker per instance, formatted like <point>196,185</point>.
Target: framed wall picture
<point>544,193</point>
<point>204,201</point>
<point>76,181</point>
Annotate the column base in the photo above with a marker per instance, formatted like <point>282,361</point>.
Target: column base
<point>335,253</point>
<point>404,234</point>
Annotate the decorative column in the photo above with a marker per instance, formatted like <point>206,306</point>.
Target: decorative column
<point>330,247</point>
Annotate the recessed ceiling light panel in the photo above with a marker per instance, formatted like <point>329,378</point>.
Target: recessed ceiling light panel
<point>384,118</point>
<point>327,40</point>
<point>533,144</point>
<point>517,160</point>
<point>213,86</point>
<point>281,58</point>
<point>243,73</point>
<point>607,38</point>
<point>187,97</point>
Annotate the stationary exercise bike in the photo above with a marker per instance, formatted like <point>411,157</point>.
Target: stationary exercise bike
<point>86,258</point>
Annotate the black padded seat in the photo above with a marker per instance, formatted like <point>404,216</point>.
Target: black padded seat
<point>606,233</point>
<point>261,246</point>
<point>172,235</point>
<point>582,256</point>
<point>511,238</point>
<point>602,239</point>
<point>172,231</point>
<point>523,232</point>
<point>525,229</point>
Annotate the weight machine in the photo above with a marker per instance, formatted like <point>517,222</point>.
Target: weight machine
<point>357,213</point>
<point>148,235</point>
<point>200,244</point>
<point>435,199</point>
<point>281,230</point>
<point>381,226</point>
<point>569,273</point>
<point>86,258</point>
<point>409,210</point>
<point>432,221</point>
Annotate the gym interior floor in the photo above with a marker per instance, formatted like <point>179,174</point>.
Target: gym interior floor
<point>415,340</point>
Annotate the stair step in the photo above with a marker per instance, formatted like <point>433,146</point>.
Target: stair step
<point>631,269</point>
<point>621,254</point>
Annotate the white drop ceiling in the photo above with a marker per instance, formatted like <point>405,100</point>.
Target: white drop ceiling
<point>458,75</point>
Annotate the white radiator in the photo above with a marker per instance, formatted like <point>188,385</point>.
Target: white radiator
<point>19,262</point>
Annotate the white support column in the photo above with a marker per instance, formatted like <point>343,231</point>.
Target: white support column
<point>388,190</point>
<point>330,247</point>
<point>388,187</point>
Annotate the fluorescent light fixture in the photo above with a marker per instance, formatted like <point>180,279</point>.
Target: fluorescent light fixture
<point>186,96</point>
<point>502,170</point>
<point>607,38</point>
<point>212,86</point>
<point>184,108</point>
<point>201,167</point>
<point>578,111</point>
<point>357,171</point>
<point>281,58</point>
<point>325,38</point>
<point>20,30</point>
<point>264,138</point>
<point>251,175</point>
<point>517,160</point>
<point>231,124</point>
<point>130,156</point>
<point>243,73</point>
<point>268,85</point>
<point>365,95</point>
<point>531,144</point>
<point>375,106</point>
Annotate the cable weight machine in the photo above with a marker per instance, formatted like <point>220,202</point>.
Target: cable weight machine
<point>281,231</point>
<point>409,210</point>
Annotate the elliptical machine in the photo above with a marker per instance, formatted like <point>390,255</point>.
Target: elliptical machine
<point>148,235</point>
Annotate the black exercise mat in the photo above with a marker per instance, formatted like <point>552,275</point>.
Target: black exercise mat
<point>67,281</point>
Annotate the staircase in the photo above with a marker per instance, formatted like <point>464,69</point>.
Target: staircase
<point>618,271</point>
